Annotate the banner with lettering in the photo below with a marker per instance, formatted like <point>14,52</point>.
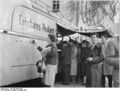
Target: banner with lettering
<point>32,22</point>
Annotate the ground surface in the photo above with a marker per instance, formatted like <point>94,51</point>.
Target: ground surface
<point>36,83</point>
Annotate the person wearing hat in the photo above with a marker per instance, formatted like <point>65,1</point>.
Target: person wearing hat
<point>66,63</point>
<point>51,61</point>
<point>106,68</point>
<point>73,72</point>
<point>112,58</point>
<point>50,55</point>
<point>84,53</point>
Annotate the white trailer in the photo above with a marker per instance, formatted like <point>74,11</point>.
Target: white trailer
<point>20,22</point>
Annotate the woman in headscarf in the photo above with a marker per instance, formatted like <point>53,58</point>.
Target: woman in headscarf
<point>51,62</point>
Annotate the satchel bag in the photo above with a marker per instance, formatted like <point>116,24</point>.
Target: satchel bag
<point>41,66</point>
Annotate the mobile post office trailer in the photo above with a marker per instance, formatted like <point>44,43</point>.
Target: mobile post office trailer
<point>22,21</point>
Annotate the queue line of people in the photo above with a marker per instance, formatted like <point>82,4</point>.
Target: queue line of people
<point>89,63</point>
<point>50,58</point>
<point>85,62</point>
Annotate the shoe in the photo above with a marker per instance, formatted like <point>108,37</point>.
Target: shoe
<point>83,83</point>
<point>46,85</point>
<point>65,83</point>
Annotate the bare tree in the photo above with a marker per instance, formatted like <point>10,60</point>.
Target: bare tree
<point>74,8</point>
<point>93,12</point>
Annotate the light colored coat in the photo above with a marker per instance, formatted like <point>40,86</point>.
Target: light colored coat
<point>112,58</point>
<point>74,60</point>
<point>106,68</point>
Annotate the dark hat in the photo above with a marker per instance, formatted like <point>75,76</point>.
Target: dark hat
<point>52,37</point>
<point>75,42</point>
<point>85,41</point>
<point>64,42</point>
<point>71,40</point>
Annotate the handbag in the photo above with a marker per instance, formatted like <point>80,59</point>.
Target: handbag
<point>41,67</point>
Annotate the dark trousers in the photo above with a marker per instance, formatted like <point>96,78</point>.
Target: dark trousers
<point>78,72</point>
<point>109,80</point>
<point>83,71</point>
<point>66,74</point>
<point>88,76</point>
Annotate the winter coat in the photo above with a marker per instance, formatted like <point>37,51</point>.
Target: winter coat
<point>74,60</point>
<point>106,68</point>
<point>52,56</point>
<point>66,54</point>
<point>112,58</point>
<point>94,71</point>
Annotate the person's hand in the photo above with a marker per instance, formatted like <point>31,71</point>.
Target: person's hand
<point>89,59</point>
<point>34,42</point>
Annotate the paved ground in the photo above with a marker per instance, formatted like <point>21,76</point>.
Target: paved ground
<point>37,83</point>
<point>76,85</point>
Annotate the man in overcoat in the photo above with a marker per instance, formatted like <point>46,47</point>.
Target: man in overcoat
<point>112,58</point>
<point>66,63</point>
<point>106,68</point>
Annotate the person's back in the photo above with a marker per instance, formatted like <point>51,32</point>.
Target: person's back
<point>106,68</point>
<point>74,52</point>
<point>66,63</point>
<point>51,62</point>
<point>73,63</point>
<point>84,54</point>
<point>52,57</point>
<point>66,54</point>
<point>79,53</point>
<point>78,62</point>
<point>112,58</point>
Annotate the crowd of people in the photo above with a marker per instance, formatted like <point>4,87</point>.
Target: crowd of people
<point>86,62</point>
<point>89,63</point>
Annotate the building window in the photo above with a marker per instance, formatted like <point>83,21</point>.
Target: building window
<point>56,4</point>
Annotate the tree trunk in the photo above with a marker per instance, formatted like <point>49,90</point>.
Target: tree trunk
<point>77,13</point>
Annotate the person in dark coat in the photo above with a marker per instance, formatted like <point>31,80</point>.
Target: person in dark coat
<point>73,62</point>
<point>66,62</point>
<point>83,61</point>
<point>88,67</point>
<point>78,79</point>
<point>94,61</point>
